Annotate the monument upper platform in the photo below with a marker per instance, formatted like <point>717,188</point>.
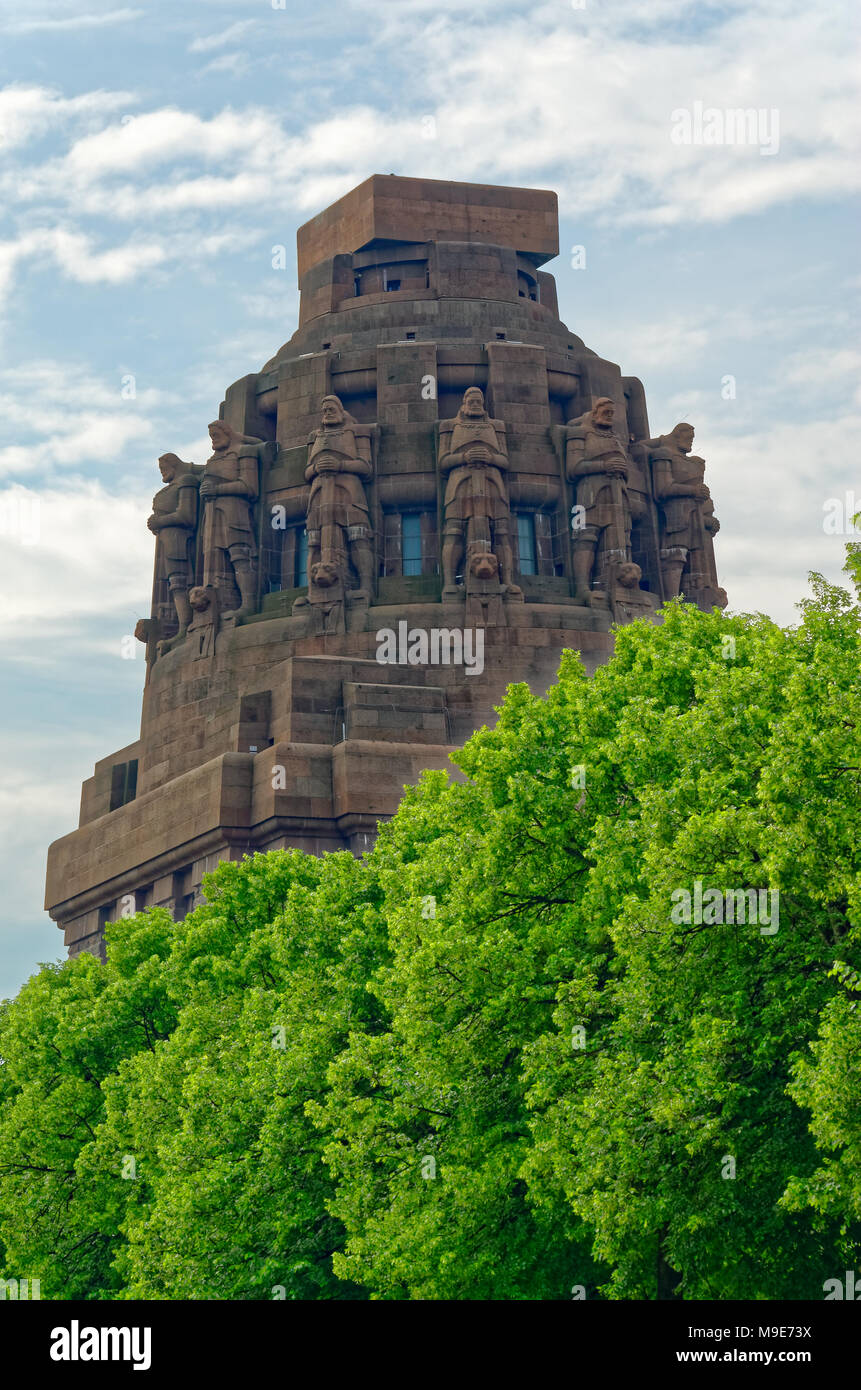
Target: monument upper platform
<point>387,207</point>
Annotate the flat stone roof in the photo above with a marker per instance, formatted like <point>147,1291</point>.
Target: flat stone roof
<point>387,207</point>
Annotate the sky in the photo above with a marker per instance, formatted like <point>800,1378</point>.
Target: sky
<point>152,158</point>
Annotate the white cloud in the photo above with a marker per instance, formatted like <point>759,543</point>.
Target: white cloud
<point>161,136</point>
<point>770,487</point>
<point>541,99</point>
<point>64,418</point>
<point>99,20</point>
<point>220,40</point>
<point>27,111</point>
<point>93,560</point>
<point>237,64</point>
<point>75,255</point>
<point>826,367</point>
<point>682,340</point>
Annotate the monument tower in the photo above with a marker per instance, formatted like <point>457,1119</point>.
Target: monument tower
<point>431,490</point>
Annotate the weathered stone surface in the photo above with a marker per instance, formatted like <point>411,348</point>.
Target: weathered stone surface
<point>428,493</point>
<point>390,208</point>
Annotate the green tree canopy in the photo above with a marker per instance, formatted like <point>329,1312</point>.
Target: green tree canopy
<point>583,1024</point>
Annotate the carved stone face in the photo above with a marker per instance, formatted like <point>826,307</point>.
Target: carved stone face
<point>324,575</point>
<point>602,414</point>
<point>219,435</point>
<point>167,467</point>
<point>199,598</point>
<point>473,402</point>
<point>484,565</point>
<point>683,436</point>
<point>629,575</point>
<point>331,411</point>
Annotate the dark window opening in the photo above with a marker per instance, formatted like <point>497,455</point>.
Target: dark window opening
<point>124,780</point>
<point>525,543</point>
<point>393,285</point>
<point>286,559</point>
<point>539,544</point>
<point>409,544</point>
<point>300,572</point>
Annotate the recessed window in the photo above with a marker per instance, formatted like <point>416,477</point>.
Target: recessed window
<point>301,571</point>
<point>411,543</point>
<point>124,778</point>
<point>393,284</point>
<point>539,544</point>
<point>526,543</point>
<point>286,559</point>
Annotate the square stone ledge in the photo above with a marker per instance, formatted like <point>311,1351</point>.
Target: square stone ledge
<point>387,207</point>
<point>215,795</point>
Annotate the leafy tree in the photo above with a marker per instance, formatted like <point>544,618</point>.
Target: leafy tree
<point>269,976</point>
<point>60,1040</point>
<point>668,1135</point>
<point>503,1056</point>
<point>826,1083</point>
<point>428,1120</point>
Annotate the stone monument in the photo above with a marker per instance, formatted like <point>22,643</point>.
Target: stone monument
<point>433,458</point>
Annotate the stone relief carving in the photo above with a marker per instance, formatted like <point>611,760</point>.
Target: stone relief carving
<point>218,502</point>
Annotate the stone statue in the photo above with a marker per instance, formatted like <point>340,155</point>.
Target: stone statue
<point>688,522</point>
<point>204,625</point>
<point>484,606</point>
<point>477,513</point>
<point>596,465</point>
<point>629,600</point>
<point>173,523</point>
<point>228,490</point>
<point>148,631</point>
<point>339,526</point>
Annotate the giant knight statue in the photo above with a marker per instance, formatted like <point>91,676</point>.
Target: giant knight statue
<point>598,468</point>
<point>473,459</point>
<point>173,523</point>
<point>688,522</point>
<point>339,526</point>
<point>229,489</point>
